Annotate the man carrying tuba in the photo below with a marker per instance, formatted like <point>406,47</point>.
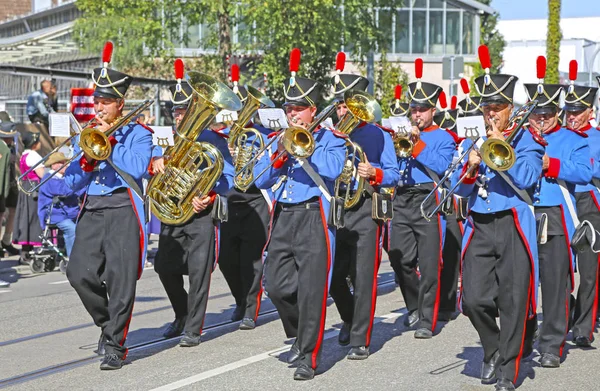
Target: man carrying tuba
<point>358,243</point>
<point>110,244</point>
<point>301,243</point>
<point>189,247</point>
<point>499,251</point>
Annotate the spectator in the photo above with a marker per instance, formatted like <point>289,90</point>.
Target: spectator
<point>27,224</point>
<point>65,211</point>
<point>9,192</point>
<point>39,103</point>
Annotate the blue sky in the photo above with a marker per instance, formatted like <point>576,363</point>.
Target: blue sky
<point>538,9</point>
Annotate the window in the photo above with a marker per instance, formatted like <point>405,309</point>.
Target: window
<point>402,28</point>
<point>436,32</point>
<point>193,36</point>
<point>468,39</point>
<point>419,33</point>
<point>452,32</point>
<point>419,3</point>
<point>436,4</point>
<point>385,26</point>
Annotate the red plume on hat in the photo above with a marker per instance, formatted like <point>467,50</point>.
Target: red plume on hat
<point>443,100</point>
<point>179,72</point>
<point>106,57</point>
<point>486,62</point>
<point>398,95</point>
<point>453,102</point>
<point>295,55</point>
<point>572,75</point>
<point>419,71</point>
<point>235,77</point>
<point>540,65</point>
<point>464,85</point>
<point>340,63</point>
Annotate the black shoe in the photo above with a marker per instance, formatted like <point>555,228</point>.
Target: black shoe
<point>101,342</point>
<point>294,353</point>
<point>238,314</point>
<point>411,319</point>
<point>344,336</point>
<point>304,372</point>
<point>358,353</point>
<point>583,342</point>
<point>549,360</point>
<point>505,385</point>
<point>189,340</point>
<point>111,361</point>
<point>488,369</point>
<point>247,324</point>
<point>175,328</point>
<point>423,333</point>
<point>10,249</point>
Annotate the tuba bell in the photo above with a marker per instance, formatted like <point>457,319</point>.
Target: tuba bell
<point>362,107</point>
<point>192,168</point>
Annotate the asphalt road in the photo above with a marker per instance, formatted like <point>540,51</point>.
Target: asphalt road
<point>47,341</point>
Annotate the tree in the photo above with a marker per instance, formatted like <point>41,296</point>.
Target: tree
<point>388,75</point>
<point>553,42</point>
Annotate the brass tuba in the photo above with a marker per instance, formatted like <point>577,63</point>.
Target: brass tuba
<point>192,168</point>
<point>244,141</point>
<point>362,107</point>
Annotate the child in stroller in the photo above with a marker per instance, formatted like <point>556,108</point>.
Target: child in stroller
<point>58,207</point>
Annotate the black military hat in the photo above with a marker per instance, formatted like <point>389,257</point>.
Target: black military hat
<point>497,88</point>
<point>7,129</point>
<point>300,90</point>
<point>29,139</point>
<point>470,106</point>
<point>397,108</point>
<point>109,83</point>
<point>422,94</point>
<point>578,97</point>
<point>343,82</point>
<point>446,118</point>
<point>547,95</point>
<point>181,94</point>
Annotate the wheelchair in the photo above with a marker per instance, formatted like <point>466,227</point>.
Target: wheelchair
<point>53,250</point>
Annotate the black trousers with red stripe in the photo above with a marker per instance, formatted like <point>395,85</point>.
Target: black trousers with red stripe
<point>586,305</point>
<point>358,255</point>
<point>555,281</point>
<point>103,268</point>
<point>243,239</point>
<point>187,249</point>
<point>296,276</point>
<point>496,282</point>
<point>451,268</point>
<point>414,238</point>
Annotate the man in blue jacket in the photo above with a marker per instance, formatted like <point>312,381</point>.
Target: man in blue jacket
<point>566,164</point>
<point>110,243</point>
<point>301,242</point>
<point>499,252</point>
<point>415,240</point>
<point>358,243</point>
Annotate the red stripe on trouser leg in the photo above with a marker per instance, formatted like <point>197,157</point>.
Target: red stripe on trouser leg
<point>258,299</point>
<point>436,305</point>
<point>562,345</point>
<point>125,331</point>
<point>595,306</point>
<point>324,303</point>
<point>518,360</point>
<point>374,286</point>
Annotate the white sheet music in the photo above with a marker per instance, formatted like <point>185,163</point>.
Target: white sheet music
<point>470,127</point>
<point>60,124</point>
<point>400,124</point>
<point>273,118</point>
<point>226,116</point>
<point>162,136</point>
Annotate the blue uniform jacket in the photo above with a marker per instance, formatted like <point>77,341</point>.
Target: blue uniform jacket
<point>67,208</point>
<point>434,150</point>
<point>497,196</point>
<point>131,154</point>
<point>593,140</point>
<point>569,155</point>
<point>378,145</point>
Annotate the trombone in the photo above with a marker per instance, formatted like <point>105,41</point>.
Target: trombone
<point>92,141</point>
<point>498,155</point>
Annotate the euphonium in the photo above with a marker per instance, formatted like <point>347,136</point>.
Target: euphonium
<point>362,107</point>
<point>246,141</point>
<point>192,168</point>
<point>499,155</point>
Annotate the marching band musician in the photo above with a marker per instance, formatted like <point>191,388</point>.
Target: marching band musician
<point>301,243</point>
<point>358,243</point>
<point>412,237</point>
<point>454,227</point>
<point>243,237</point>
<point>109,250</point>
<point>189,248</point>
<point>579,103</point>
<point>566,164</point>
<point>499,252</point>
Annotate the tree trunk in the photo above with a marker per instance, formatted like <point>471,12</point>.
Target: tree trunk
<point>553,42</point>
<point>224,39</point>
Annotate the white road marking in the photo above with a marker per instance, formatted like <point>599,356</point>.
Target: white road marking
<point>251,360</point>
<point>5,291</point>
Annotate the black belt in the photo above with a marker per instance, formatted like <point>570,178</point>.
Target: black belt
<point>312,203</point>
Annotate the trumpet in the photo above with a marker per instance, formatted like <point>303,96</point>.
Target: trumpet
<point>92,142</point>
<point>403,143</point>
<point>499,155</point>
